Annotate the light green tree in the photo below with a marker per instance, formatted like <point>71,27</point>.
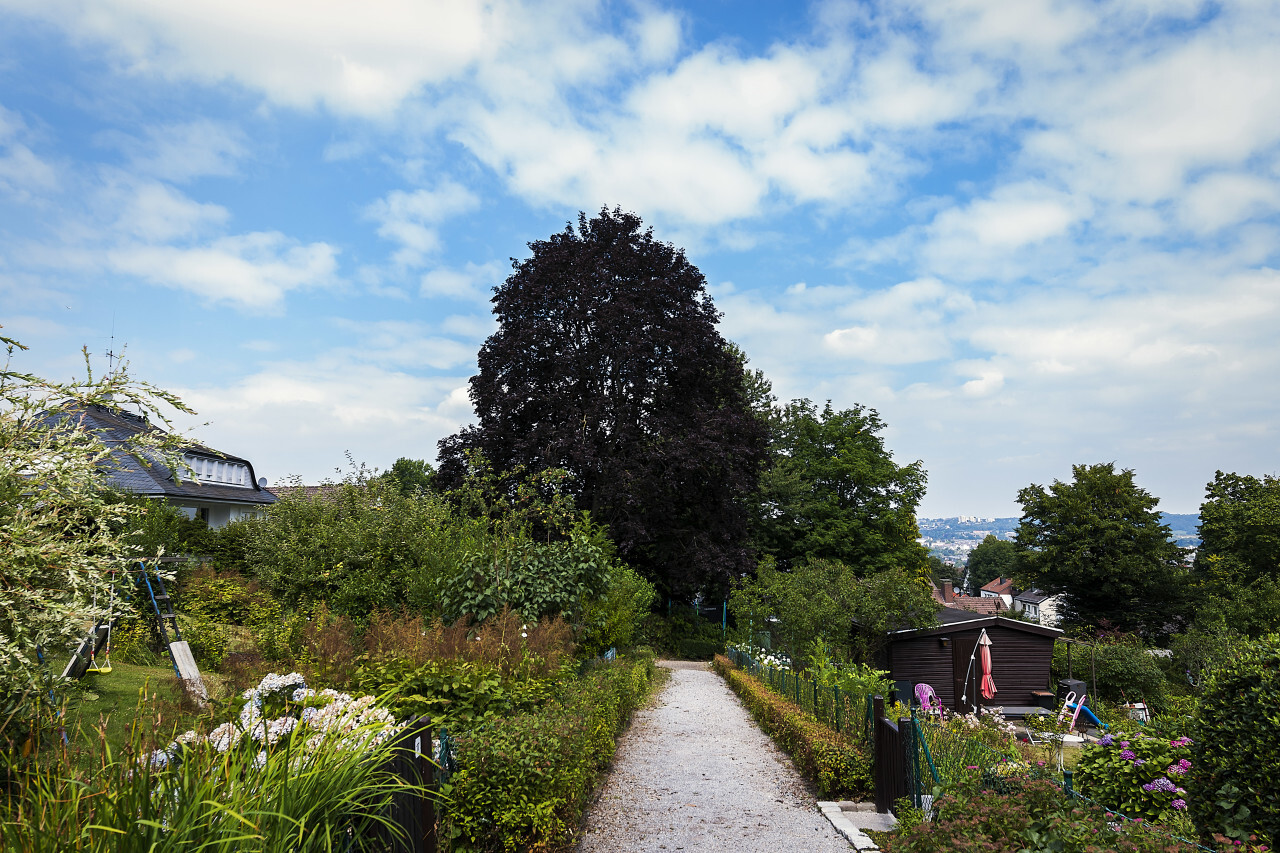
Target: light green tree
<point>62,531</point>
<point>833,492</point>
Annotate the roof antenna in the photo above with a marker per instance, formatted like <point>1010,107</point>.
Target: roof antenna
<point>111,356</point>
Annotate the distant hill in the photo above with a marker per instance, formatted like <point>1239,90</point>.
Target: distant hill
<point>953,538</point>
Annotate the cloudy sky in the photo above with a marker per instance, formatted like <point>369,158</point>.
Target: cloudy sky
<point>1029,234</point>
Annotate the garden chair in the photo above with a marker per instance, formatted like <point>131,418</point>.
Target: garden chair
<point>929,702</point>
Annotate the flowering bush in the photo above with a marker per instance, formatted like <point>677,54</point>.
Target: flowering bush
<point>1137,775</point>
<point>279,705</point>
<point>762,656</point>
<point>1036,817</point>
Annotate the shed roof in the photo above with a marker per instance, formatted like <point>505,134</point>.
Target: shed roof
<point>963,620</point>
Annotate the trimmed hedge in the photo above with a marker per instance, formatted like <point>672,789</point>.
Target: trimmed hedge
<point>836,764</point>
<point>523,781</point>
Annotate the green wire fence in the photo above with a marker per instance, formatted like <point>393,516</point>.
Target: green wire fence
<point>847,713</point>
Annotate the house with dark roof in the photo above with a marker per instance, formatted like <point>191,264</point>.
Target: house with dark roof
<point>218,488</point>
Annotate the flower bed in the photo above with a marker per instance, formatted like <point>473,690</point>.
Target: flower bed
<point>1137,775</point>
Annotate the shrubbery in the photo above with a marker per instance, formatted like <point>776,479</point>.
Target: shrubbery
<point>832,761</point>
<point>1237,745</point>
<point>523,781</point>
<point>1137,775</point>
<point>1037,817</point>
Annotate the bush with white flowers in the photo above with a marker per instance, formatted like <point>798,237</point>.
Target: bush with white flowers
<point>282,703</point>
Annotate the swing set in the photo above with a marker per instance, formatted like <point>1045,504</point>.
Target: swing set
<point>97,643</point>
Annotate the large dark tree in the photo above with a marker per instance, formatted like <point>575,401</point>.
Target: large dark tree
<point>607,363</point>
<point>832,491</point>
<point>1100,542</point>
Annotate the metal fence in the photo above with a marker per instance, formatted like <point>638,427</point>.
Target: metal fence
<point>422,759</point>
<point>847,713</point>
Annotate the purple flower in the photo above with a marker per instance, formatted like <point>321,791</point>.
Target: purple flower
<point>1162,784</point>
<point>1106,740</point>
<point>1124,743</point>
<point>1126,754</point>
<point>1178,769</point>
<point>1138,762</point>
<point>1182,741</point>
<point>1179,804</point>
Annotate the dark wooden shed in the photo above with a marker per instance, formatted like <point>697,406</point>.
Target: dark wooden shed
<point>1020,657</point>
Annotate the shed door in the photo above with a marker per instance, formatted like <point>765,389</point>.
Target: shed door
<point>961,649</point>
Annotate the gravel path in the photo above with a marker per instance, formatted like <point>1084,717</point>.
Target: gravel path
<point>695,773</point>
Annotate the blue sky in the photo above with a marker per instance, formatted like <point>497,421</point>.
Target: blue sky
<point>1029,234</point>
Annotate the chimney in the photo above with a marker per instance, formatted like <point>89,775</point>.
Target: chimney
<point>948,590</point>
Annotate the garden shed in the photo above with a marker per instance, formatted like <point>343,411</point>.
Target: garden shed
<point>941,657</point>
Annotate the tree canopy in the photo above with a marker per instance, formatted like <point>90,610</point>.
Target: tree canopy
<point>607,364</point>
<point>1237,567</point>
<point>833,492</point>
<point>1099,541</point>
<point>992,558</point>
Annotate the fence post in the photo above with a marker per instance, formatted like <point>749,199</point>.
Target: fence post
<point>1068,787</point>
<point>911,762</point>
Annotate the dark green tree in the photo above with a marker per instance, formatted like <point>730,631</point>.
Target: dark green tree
<point>1099,541</point>
<point>607,364</point>
<point>1237,567</point>
<point>833,492</point>
<point>993,558</point>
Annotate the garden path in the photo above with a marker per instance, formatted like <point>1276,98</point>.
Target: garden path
<point>693,772</point>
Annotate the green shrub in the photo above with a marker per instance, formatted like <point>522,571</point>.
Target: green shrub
<point>1237,745</point>
<point>1136,775</point>
<point>613,619</point>
<point>227,597</point>
<point>1037,817</point>
<point>832,761</point>
<point>698,649</point>
<point>208,640</point>
<point>282,638</point>
<point>523,781</point>
<point>453,693</point>
<point>1126,671</point>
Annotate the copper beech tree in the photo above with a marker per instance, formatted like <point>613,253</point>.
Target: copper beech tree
<point>607,364</point>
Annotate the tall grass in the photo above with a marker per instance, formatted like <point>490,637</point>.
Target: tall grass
<point>309,792</point>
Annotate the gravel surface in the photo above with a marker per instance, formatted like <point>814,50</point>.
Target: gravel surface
<point>695,773</point>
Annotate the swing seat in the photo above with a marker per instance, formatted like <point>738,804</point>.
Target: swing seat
<point>93,667</point>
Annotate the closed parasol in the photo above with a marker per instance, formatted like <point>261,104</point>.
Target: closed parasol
<point>984,653</point>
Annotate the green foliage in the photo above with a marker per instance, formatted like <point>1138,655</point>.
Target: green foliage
<point>411,476</point>
<point>1036,817</point>
<point>453,693</point>
<point>1237,745</point>
<point>207,638</point>
<point>227,597</point>
<point>829,600</point>
<point>1100,543</point>
<point>535,579</point>
<point>1238,562</point>
<point>360,546</point>
<point>156,527</point>
<point>1126,670</point>
<point>306,794</point>
<point>281,639</point>
<point>1115,771</point>
<point>523,781</point>
<point>61,531</point>
<point>613,619</point>
<point>833,492</point>
<point>992,558</point>
<point>1199,651</point>
<point>832,761</point>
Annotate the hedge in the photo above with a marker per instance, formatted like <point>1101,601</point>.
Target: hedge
<point>523,782</point>
<point>833,762</point>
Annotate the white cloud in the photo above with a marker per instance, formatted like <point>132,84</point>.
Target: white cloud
<point>250,271</point>
<point>180,152</point>
<point>411,218</point>
<point>362,61</point>
<point>155,212</point>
